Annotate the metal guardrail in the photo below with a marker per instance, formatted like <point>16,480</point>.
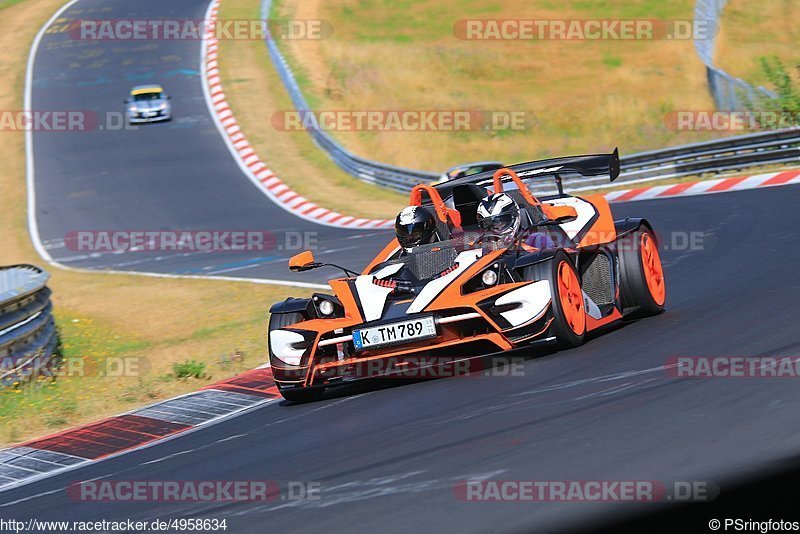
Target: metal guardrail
<point>717,156</point>
<point>738,153</point>
<point>28,337</point>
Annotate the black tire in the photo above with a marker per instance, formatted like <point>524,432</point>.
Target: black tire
<point>566,336</point>
<point>279,320</point>
<point>302,395</point>
<point>634,288</point>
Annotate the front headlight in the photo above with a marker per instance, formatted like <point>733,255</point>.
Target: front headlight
<point>326,308</point>
<point>489,277</point>
<point>163,106</point>
<point>492,276</point>
<point>287,346</point>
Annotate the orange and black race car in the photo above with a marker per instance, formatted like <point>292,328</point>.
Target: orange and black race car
<point>568,269</point>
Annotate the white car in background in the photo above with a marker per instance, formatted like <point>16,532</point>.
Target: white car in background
<point>148,103</point>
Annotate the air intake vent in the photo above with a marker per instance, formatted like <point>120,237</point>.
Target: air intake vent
<point>596,280</point>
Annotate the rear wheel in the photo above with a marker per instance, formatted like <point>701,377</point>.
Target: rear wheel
<point>280,320</point>
<point>641,273</point>
<point>569,313</point>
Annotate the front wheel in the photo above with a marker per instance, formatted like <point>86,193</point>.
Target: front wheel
<point>569,313</point>
<point>302,394</point>
<point>641,274</point>
<point>280,320</point>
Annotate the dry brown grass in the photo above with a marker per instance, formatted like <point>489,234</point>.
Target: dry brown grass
<point>754,29</point>
<point>585,96</point>
<point>157,320</point>
<point>254,92</point>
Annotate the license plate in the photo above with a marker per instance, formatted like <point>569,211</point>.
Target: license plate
<point>394,333</point>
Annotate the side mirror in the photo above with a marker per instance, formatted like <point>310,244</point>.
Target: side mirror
<point>302,262</point>
<point>169,97</point>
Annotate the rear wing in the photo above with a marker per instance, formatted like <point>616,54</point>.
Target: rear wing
<point>594,165</point>
<point>591,165</point>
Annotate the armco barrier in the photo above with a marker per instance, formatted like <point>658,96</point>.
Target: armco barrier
<point>28,337</point>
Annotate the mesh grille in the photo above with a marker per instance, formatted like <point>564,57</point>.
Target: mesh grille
<point>597,280</point>
<point>428,264</point>
<point>427,261</point>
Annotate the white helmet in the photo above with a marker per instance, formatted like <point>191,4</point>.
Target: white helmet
<point>498,215</point>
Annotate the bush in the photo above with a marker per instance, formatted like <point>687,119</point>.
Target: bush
<point>189,369</point>
<point>785,87</point>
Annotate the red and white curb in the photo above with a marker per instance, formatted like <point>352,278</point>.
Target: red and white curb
<point>116,435</point>
<point>252,165</point>
<point>705,187</point>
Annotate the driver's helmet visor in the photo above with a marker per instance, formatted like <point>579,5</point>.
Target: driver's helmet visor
<point>411,235</point>
<point>499,224</point>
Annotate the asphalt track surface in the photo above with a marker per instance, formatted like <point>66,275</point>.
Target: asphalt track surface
<point>387,459</point>
<point>174,176</point>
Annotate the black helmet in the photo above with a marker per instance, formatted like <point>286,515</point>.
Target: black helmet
<point>498,215</point>
<point>414,226</point>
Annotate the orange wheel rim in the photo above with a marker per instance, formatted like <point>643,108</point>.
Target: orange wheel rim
<point>571,298</point>
<point>653,271</point>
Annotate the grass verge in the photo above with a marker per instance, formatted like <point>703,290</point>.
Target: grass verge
<point>581,96</point>
<point>151,323</point>
<point>750,30</point>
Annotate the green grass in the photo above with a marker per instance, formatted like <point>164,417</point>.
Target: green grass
<point>612,61</point>
<point>189,369</point>
<point>587,96</point>
<point>750,30</point>
<point>641,9</point>
<point>8,3</point>
<point>83,337</point>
